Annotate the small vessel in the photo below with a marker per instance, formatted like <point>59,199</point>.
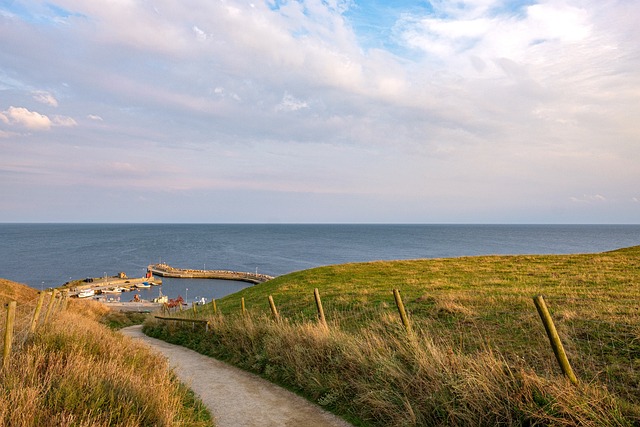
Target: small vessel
<point>86,293</point>
<point>162,299</point>
<point>116,290</point>
<point>143,285</point>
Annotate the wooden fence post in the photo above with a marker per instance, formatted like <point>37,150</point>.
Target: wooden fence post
<point>321,317</point>
<point>274,310</point>
<point>36,314</point>
<point>50,306</point>
<point>65,301</point>
<point>8,333</point>
<point>244,310</point>
<point>403,313</point>
<point>213,303</point>
<point>554,339</point>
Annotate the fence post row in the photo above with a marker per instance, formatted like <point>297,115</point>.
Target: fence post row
<point>554,339</point>
<point>8,333</point>
<point>539,302</point>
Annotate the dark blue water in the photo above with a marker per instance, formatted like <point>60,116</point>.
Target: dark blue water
<point>46,255</point>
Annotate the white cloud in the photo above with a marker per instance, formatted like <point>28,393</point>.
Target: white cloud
<point>23,117</point>
<point>95,117</point>
<point>200,35</point>
<point>32,120</point>
<point>45,98</point>
<point>589,198</point>
<point>64,121</point>
<point>291,103</point>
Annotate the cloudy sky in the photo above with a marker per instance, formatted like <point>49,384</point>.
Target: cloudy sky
<point>472,111</point>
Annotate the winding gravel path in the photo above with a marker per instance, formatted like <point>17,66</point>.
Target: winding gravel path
<point>237,398</point>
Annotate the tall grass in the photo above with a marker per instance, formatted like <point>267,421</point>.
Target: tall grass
<point>381,376</point>
<point>76,372</point>
<point>479,355</point>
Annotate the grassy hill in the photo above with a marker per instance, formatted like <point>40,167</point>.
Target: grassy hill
<point>13,291</point>
<point>74,371</point>
<point>479,355</point>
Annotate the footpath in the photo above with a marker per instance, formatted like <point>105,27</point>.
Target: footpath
<point>237,398</point>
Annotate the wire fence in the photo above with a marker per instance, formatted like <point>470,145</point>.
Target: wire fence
<point>20,321</point>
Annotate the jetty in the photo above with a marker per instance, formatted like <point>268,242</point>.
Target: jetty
<point>166,270</point>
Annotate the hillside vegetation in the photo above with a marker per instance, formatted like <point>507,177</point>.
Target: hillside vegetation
<point>74,371</point>
<point>478,354</point>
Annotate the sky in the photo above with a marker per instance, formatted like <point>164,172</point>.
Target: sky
<point>332,111</point>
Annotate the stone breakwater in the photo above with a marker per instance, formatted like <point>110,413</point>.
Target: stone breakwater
<point>166,270</point>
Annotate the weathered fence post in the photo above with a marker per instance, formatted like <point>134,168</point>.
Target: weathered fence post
<point>274,310</point>
<point>244,310</point>
<point>554,338</point>
<point>36,314</point>
<point>193,304</point>
<point>8,333</point>
<point>403,313</point>
<point>213,303</point>
<point>65,301</point>
<point>321,317</point>
<point>50,306</point>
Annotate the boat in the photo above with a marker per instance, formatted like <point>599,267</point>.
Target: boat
<point>162,299</point>
<point>116,290</point>
<point>86,293</point>
<point>143,285</point>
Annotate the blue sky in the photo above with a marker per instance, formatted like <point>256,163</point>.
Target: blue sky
<point>473,111</point>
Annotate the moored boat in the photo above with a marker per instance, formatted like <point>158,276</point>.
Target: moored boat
<point>162,299</point>
<point>86,293</point>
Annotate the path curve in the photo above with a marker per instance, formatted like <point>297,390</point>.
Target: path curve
<point>237,398</point>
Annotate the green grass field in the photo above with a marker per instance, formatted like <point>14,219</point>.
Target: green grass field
<point>464,310</point>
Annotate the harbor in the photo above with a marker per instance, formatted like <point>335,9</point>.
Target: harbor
<point>146,294</point>
<point>109,285</point>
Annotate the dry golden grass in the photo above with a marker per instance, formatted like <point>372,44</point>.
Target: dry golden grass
<point>74,371</point>
<point>12,291</point>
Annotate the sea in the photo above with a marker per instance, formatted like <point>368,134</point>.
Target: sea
<point>48,255</point>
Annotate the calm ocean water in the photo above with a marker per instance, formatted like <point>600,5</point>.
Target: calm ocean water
<point>46,255</point>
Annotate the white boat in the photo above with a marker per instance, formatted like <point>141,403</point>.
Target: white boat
<point>162,299</point>
<point>116,290</point>
<point>86,293</point>
<point>143,285</point>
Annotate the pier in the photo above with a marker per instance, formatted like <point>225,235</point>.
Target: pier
<point>165,270</point>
